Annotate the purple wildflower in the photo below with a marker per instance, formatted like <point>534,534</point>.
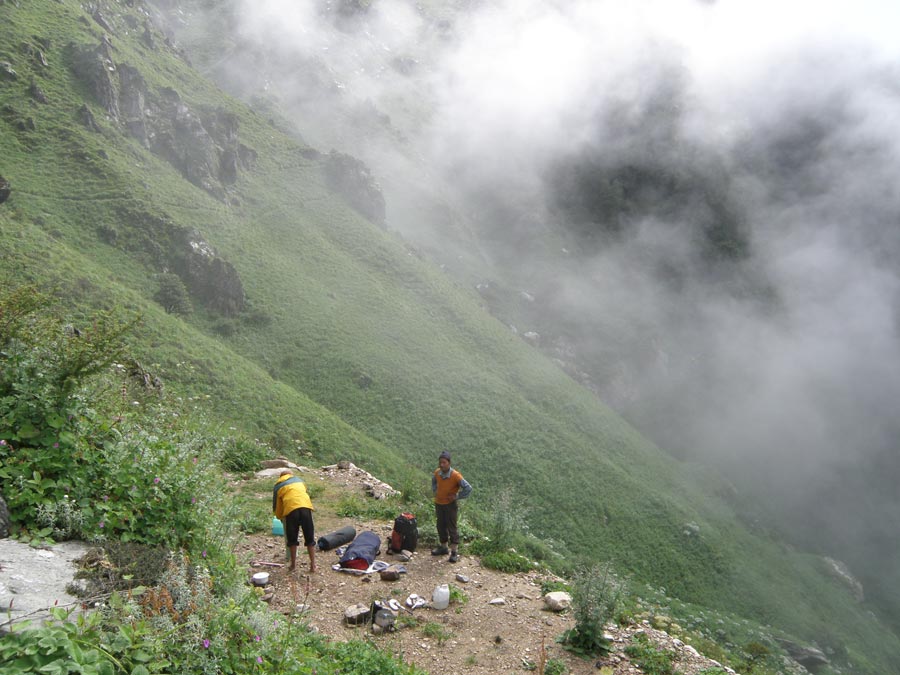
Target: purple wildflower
<point>157,479</point>
<point>205,643</point>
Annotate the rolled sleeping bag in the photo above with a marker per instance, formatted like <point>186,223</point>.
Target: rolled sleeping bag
<point>337,538</point>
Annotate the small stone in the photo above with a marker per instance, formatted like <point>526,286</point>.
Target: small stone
<point>498,601</point>
<point>356,614</point>
<point>462,578</point>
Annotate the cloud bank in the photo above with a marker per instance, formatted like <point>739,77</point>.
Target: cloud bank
<point>783,362</point>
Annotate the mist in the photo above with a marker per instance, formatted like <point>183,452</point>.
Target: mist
<point>778,359</point>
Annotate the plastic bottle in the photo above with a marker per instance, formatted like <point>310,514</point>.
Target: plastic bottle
<point>277,527</point>
<point>440,599</point>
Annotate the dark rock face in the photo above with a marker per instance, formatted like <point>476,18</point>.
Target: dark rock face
<point>352,179</point>
<point>7,72</point>
<point>202,145</point>
<point>87,118</point>
<point>210,278</point>
<point>5,189</point>
<point>37,93</point>
<point>95,67</point>
<point>810,658</point>
<point>132,100</point>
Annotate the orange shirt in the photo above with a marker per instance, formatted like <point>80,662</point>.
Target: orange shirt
<point>446,487</point>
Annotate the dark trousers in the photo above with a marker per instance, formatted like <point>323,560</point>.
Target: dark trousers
<point>295,521</point>
<point>446,523</point>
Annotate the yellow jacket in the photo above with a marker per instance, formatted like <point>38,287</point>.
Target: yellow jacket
<point>286,498</point>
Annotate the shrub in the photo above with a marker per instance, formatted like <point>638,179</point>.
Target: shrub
<point>549,586</point>
<point>651,660</point>
<point>240,455</point>
<point>596,595</point>
<point>172,295</point>
<point>63,518</point>
<point>555,667</point>
<point>354,506</point>
<point>46,410</point>
<point>458,595</point>
<point>507,561</point>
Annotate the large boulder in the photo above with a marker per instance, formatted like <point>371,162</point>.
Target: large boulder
<point>811,658</point>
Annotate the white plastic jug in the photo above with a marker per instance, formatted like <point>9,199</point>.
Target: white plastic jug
<point>440,599</point>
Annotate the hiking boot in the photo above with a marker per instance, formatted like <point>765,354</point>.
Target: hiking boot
<point>454,557</point>
<point>440,550</point>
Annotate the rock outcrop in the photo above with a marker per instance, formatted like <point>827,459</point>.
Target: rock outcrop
<point>351,179</point>
<point>202,145</point>
<point>842,573</point>
<point>5,189</point>
<point>210,278</point>
<point>95,67</point>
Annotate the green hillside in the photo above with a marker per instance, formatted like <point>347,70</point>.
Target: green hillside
<point>317,331</point>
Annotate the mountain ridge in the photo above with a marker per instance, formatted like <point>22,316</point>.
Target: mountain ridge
<point>398,360</point>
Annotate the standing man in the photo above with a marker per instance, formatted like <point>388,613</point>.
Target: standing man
<point>448,487</point>
<point>294,508</point>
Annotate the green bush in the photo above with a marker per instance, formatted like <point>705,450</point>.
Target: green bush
<point>651,660</point>
<point>555,667</point>
<point>596,595</point>
<point>173,296</point>
<point>549,586</point>
<point>354,506</point>
<point>82,461</point>
<point>240,454</point>
<point>507,561</point>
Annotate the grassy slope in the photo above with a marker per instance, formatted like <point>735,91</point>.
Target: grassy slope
<point>346,299</point>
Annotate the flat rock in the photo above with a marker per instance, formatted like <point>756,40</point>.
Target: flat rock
<point>33,580</point>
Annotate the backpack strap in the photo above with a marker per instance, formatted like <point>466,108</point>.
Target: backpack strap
<point>278,486</point>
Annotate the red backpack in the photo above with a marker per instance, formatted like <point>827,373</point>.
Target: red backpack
<point>405,535</point>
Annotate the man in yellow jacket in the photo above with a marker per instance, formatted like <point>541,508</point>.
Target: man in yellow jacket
<point>294,508</point>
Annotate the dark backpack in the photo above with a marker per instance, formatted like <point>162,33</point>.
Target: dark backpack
<point>405,535</point>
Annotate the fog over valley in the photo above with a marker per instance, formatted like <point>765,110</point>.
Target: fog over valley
<point>690,205</point>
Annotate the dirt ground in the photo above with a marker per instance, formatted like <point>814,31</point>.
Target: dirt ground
<point>500,624</point>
